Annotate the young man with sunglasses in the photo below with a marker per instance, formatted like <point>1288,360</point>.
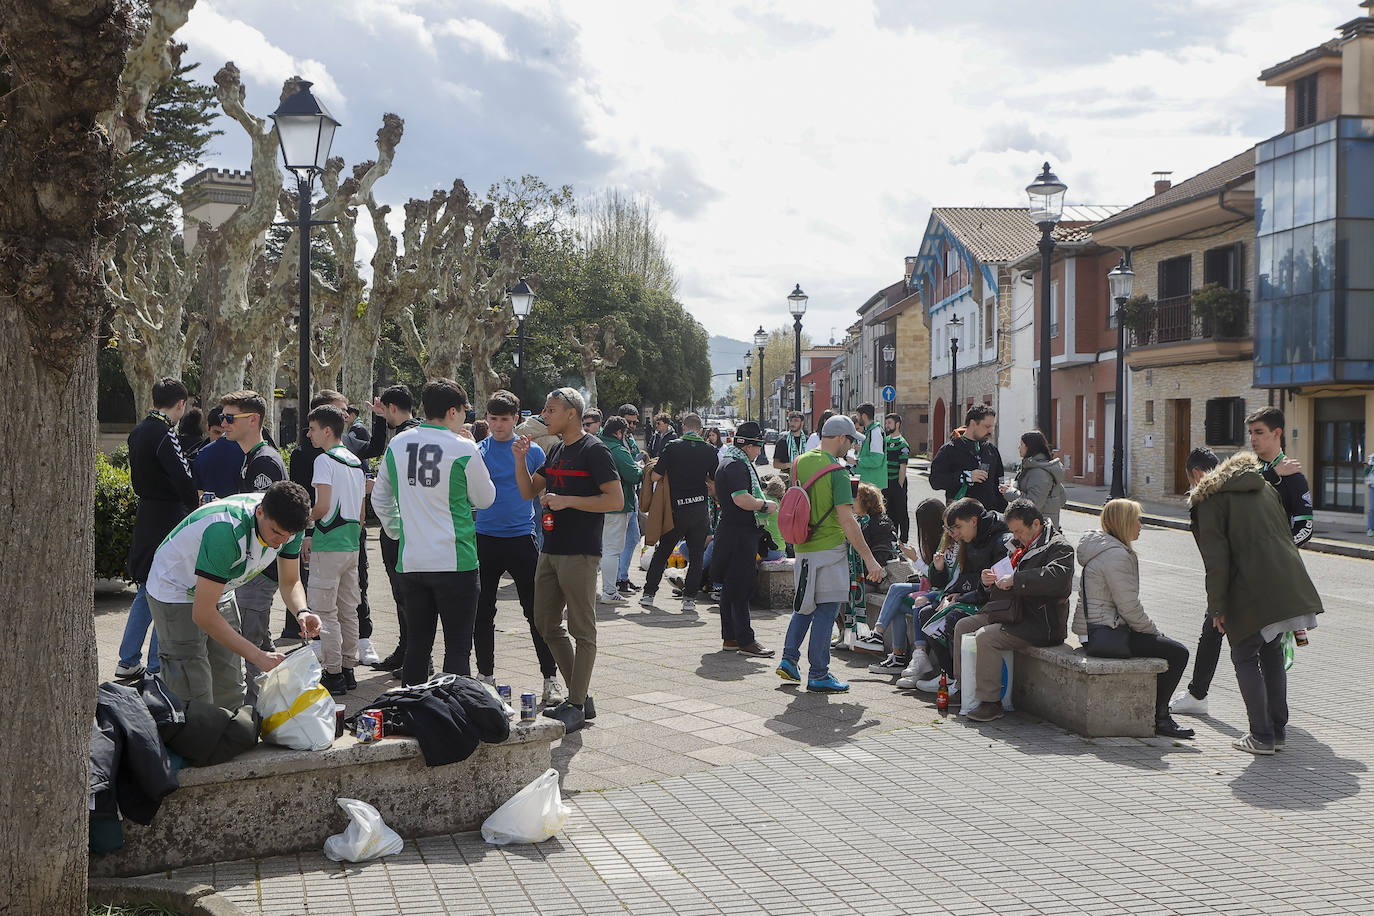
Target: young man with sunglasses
<point>630,414</point>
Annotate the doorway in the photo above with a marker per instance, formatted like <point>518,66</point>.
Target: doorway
<point>1340,454</point>
<point>1182,409</point>
<point>937,428</point>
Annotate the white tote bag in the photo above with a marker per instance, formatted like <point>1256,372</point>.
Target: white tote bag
<point>296,711</point>
<point>968,674</point>
<point>531,815</point>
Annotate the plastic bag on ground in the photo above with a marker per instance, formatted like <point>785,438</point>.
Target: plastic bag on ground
<point>531,815</point>
<point>296,711</point>
<point>366,837</point>
<point>646,556</point>
<point>968,674</point>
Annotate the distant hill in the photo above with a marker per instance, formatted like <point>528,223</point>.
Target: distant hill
<point>727,355</point>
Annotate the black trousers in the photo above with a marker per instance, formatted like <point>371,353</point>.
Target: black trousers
<point>1263,683</point>
<point>495,556</point>
<point>733,561</point>
<point>1172,651</point>
<point>431,597</point>
<point>364,609</point>
<point>895,497</point>
<point>691,524</point>
<point>391,552</point>
<point>291,630</point>
<point>1205,659</point>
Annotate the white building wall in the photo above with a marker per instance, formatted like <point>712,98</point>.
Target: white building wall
<point>1016,410</point>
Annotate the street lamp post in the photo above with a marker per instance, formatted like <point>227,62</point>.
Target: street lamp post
<point>760,338</point>
<point>889,357</point>
<point>1121,279</point>
<point>955,324</point>
<point>1046,195</point>
<point>521,301</point>
<point>305,132</point>
<point>796,304</point>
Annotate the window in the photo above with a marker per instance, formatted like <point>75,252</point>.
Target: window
<point>1175,277</point>
<point>989,321</point>
<point>1305,101</point>
<point>1225,421</point>
<point>1149,411</point>
<point>951,261</point>
<point>1223,265</point>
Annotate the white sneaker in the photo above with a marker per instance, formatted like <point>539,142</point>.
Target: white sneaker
<point>366,654</point>
<point>1185,704</point>
<point>646,600</point>
<point>615,599</point>
<point>553,694</point>
<point>870,643</point>
<point>688,606</point>
<point>919,667</point>
<point>932,684</point>
<point>487,679</point>
<point>128,672</point>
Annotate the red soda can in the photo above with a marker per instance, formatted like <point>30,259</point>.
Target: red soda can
<point>369,725</point>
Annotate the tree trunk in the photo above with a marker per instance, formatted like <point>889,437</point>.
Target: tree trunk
<point>63,63</point>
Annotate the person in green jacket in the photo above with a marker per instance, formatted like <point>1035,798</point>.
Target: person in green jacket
<point>614,433</point>
<point>872,449</point>
<point>1257,586</point>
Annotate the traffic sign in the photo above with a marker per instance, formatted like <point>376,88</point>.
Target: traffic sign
<point>889,393</point>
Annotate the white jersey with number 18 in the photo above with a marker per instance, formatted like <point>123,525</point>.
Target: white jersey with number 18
<point>429,482</point>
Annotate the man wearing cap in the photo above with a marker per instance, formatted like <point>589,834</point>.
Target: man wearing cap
<point>742,504</point>
<point>821,571</point>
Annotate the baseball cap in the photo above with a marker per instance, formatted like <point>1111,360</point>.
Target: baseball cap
<point>839,426</point>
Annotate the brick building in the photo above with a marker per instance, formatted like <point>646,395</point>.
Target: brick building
<point>892,319</point>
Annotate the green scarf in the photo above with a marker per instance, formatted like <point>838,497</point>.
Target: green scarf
<point>755,488</point>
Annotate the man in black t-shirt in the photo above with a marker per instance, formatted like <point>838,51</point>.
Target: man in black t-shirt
<point>740,496</point>
<point>576,486</point>
<point>687,463</point>
<point>790,444</point>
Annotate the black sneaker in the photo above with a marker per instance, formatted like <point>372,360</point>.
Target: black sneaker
<point>1166,727</point>
<point>350,679</point>
<point>588,708</point>
<point>334,683</point>
<point>394,660</point>
<point>571,717</point>
<point>626,588</point>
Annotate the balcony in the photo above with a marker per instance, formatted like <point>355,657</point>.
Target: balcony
<point>1174,322</point>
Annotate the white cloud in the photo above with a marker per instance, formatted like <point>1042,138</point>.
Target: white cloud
<point>477,34</point>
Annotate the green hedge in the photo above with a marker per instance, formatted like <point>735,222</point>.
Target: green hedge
<point>115,506</point>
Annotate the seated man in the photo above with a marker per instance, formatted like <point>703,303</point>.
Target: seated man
<point>1038,588</point>
<point>214,550</point>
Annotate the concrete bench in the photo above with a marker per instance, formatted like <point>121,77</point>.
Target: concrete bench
<point>272,800</point>
<point>1093,697</point>
<point>773,589</point>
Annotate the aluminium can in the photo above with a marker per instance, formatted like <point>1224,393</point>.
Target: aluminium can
<point>369,725</point>
<point>527,707</point>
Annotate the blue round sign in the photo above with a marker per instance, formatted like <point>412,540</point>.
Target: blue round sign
<point>889,393</point>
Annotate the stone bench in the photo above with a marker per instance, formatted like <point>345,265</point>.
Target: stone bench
<point>1093,697</point>
<point>774,588</point>
<point>272,800</point>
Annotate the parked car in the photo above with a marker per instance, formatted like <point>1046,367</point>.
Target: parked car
<point>770,436</point>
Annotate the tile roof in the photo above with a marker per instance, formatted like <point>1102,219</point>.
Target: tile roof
<point>1215,179</point>
<point>991,233</point>
<point>1330,48</point>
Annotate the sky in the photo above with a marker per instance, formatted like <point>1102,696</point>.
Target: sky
<point>788,142</point>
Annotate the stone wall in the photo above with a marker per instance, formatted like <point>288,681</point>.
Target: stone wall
<point>913,377</point>
<point>978,384</point>
<point>1145,260</point>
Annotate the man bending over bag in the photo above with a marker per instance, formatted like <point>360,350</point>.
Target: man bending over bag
<point>213,551</point>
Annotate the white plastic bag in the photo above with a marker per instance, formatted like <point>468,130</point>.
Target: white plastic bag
<point>366,837</point>
<point>646,556</point>
<point>531,815</point>
<point>968,674</point>
<point>296,711</point>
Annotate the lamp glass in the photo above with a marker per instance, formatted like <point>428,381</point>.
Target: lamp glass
<point>796,302</point>
<point>889,353</point>
<point>305,140</point>
<point>1122,281</point>
<point>521,299</point>
<point>1046,196</point>
<point>760,337</point>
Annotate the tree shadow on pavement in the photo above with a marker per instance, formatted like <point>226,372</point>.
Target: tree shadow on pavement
<point>1306,775</point>
<point>820,718</point>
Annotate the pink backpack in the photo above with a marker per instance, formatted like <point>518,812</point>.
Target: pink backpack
<point>794,512</point>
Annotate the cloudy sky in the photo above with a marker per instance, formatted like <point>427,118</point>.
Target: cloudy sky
<point>784,141</point>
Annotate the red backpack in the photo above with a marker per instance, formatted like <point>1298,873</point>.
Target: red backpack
<point>794,512</point>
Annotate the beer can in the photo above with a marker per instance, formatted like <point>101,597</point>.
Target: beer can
<point>527,707</point>
<point>207,497</point>
<point>369,725</point>
<point>1300,637</point>
<point>504,691</point>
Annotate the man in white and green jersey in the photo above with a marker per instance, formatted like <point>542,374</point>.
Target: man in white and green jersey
<point>431,479</point>
<point>213,551</point>
<point>332,547</point>
<point>872,449</point>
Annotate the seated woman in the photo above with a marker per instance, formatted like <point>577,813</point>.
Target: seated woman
<point>1110,597</point>
<point>905,597</point>
<point>878,529</point>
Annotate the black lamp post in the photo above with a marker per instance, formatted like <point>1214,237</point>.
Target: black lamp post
<point>1046,195</point>
<point>748,382</point>
<point>521,301</point>
<point>760,338</point>
<point>889,357</point>
<point>1121,279</point>
<point>305,131</point>
<point>796,304</point>
<point>955,324</point>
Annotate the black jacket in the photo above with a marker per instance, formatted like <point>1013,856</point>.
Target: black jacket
<point>166,491</point>
<point>956,460</point>
<point>356,439</point>
<point>449,719</point>
<point>1040,590</point>
<point>130,771</point>
<point>881,537</point>
<point>987,547</point>
<point>657,441</point>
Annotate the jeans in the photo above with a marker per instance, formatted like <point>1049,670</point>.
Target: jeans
<point>692,524</point>
<point>1205,659</point>
<point>1144,645</point>
<point>1263,686</point>
<point>431,597</point>
<point>1369,508</point>
<point>612,546</point>
<point>893,616</point>
<point>135,628</point>
<point>519,557</point>
<point>820,621</point>
<point>737,572</point>
<point>631,542</point>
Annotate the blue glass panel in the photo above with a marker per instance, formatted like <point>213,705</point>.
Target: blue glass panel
<point>1264,152</point>
<point>1283,264</point>
<point>1355,253</point>
<point>1302,372</point>
<point>1264,266</point>
<point>1324,255</point>
<point>1324,182</point>
<point>1326,130</point>
<point>1303,138</point>
<point>1283,194</point>
<point>1283,145</point>
<point>1263,325</point>
<point>1323,304</point>
<point>1264,199</point>
<point>1302,187</point>
<point>1357,127</point>
<point>1359,325</point>
<point>1355,168</point>
<point>1302,260</point>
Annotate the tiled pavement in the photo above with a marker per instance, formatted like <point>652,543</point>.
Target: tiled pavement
<point>707,786</point>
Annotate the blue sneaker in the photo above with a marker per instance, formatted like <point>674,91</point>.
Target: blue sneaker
<point>787,670</point>
<point>827,684</point>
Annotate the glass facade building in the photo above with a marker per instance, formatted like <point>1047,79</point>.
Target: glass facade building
<point>1314,255</point>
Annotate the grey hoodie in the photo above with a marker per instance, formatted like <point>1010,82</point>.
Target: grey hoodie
<point>1110,593</point>
<point>1041,480</point>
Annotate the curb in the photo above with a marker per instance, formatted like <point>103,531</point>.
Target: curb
<point>188,897</point>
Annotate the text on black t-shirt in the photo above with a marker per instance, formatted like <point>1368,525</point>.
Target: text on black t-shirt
<point>687,463</point>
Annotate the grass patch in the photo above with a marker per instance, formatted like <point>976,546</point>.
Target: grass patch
<point>132,909</point>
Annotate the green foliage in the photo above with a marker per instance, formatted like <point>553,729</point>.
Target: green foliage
<point>115,507</point>
<point>114,397</point>
<point>1221,305</point>
<point>1138,315</point>
<point>779,358</point>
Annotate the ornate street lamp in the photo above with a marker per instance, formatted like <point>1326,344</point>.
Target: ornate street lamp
<point>955,324</point>
<point>521,301</point>
<point>1122,280</point>
<point>796,304</point>
<point>305,132</point>
<point>760,338</point>
<point>1046,196</point>
<point>748,382</point>
<point>889,356</point>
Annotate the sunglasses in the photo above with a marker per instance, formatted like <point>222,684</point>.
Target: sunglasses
<point>231,417</point>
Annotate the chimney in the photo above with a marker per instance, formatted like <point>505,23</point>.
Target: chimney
<point>1162,182</point>
<point>1357,64</point>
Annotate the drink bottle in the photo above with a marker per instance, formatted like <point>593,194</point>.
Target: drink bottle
<point>942,695</point>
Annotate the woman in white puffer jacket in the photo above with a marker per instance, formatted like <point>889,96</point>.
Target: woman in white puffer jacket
<point>1110,597</point>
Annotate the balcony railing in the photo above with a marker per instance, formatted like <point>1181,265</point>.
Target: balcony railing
<point>1173,321</point>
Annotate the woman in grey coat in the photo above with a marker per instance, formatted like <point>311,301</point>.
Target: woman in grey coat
<point>1040,478</point>
<point>1110,597</point>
